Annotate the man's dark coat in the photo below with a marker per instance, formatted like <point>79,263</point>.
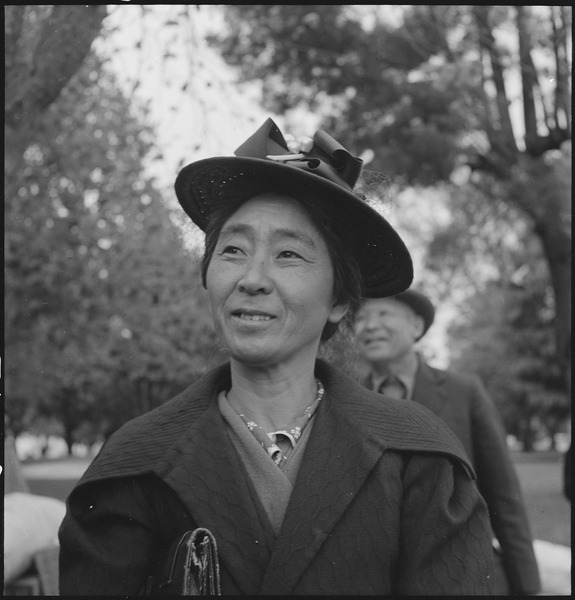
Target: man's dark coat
<point>463,403</point>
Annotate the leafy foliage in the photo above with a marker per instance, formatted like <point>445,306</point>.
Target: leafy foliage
<point>44,47</point>
<point>105,315</point>
<point>506,339</point>
<point>418,90</point>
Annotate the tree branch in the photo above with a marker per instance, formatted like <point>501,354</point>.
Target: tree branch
<point>562,108</point>
<point>63,46</point>
<point>503,140</point>
<point>528,79</point>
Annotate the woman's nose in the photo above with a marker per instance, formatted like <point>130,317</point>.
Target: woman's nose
<point>256,278</point>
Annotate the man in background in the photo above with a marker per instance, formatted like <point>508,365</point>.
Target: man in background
<point>387,330</point>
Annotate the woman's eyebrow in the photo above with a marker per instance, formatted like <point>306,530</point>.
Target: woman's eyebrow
<point>295,235</point>
<point>281,232</point>
<point>234,229</point>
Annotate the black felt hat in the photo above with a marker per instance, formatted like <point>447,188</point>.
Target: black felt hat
<point>324,173</point>
<point>419,304</point>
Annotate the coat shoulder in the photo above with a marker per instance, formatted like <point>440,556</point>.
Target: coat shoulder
<point>395,424</point>
<point>464,381</point>
<point>139,444</point>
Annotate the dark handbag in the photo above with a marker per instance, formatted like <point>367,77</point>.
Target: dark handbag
<point>190,568</point>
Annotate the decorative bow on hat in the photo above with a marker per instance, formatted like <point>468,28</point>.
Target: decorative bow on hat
<point>324,156</point>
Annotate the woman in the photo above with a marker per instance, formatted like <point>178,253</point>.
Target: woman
<point>309,483</point>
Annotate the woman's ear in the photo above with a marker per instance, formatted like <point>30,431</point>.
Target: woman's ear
<point>338,312</point>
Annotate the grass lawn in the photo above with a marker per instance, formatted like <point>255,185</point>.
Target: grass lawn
<point>541,476</point>
<point>54,477</point>
<point>56,488</point>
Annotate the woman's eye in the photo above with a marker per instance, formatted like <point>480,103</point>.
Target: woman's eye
<point>231,251</point>
<point>288,254</point>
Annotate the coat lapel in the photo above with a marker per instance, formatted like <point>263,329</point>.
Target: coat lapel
<point>327,482</point>
<point>207,474</point>
<point>429,389</point>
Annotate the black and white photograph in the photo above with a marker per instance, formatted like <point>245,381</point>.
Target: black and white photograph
<point>287,300</point>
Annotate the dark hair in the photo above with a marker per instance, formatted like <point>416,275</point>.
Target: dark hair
<point>347,275</point>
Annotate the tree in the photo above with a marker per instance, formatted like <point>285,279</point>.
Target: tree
<point>105,318</point>
<point>429,93</point>
<point>81,211</point>
<point>504,337</point>
<point>44,47</point>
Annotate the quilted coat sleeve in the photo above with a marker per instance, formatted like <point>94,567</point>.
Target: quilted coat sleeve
<point>109,541</point>
<point>499,485</point>
<point>445,545</point>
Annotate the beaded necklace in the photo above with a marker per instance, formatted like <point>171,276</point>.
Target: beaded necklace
<point>269,440</point>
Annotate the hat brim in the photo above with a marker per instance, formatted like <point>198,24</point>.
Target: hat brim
<point>384,261</point>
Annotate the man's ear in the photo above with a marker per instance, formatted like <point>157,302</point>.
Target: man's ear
<point>418,326</point>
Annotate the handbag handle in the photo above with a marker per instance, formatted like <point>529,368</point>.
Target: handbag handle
<point>192,567</point>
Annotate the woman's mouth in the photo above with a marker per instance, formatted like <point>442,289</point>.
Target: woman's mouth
<point>252,316</point>
<point>246,317</point>
<point>371,341</point>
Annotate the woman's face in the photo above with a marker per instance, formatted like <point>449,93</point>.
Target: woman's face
<point>270,283</point>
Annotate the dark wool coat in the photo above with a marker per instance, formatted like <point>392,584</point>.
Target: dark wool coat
<point>384,503</point>
<point>463,403</point>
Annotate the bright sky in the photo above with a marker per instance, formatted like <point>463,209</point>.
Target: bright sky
<point>213,115</point>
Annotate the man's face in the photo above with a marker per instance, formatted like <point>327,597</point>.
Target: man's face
<point>386,330</point>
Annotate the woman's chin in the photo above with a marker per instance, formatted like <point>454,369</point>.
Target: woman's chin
<point>253,357</point>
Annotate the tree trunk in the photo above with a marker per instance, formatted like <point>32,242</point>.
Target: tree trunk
<point>68,438</point>
<point>562,108</point>
<point>552,442</point>
<point>542,189</point>
<point>528,435</point>
<point>558,252</point>
<point>44,47</point>
<point>502,140</point>
<point>528,79</point>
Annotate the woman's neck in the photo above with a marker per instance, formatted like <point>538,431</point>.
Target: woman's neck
<point>271,397</point>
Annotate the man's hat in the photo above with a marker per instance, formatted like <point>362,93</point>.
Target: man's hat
<point>419,304</point>
<point>325,173</point>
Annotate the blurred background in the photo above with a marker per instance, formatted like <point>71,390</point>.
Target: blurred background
<point>461,113</point>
